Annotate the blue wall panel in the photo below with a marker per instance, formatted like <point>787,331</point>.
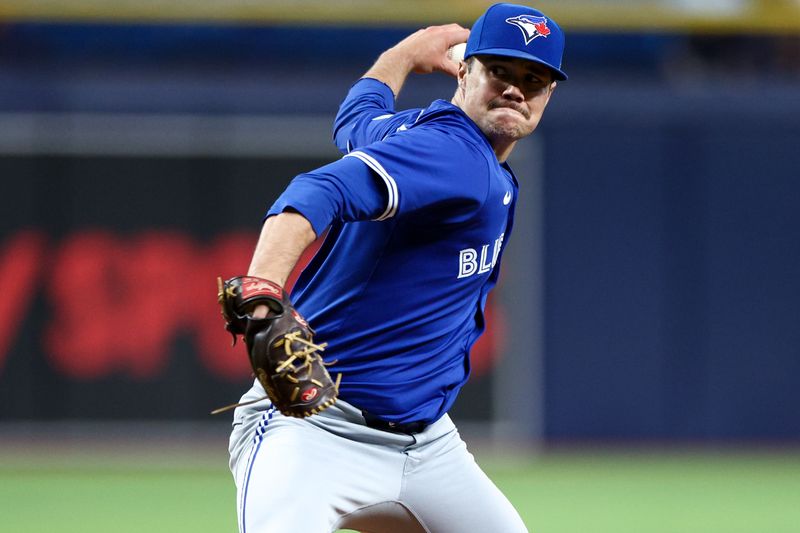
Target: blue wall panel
<point>672,253</point>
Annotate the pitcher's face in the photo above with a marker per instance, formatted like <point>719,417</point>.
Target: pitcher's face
<point>504,96</point>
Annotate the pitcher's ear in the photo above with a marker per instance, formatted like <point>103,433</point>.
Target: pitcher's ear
<point>462,74</point>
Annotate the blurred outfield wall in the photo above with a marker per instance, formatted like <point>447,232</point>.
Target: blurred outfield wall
<point>653,291</point>
<point>742,16</point>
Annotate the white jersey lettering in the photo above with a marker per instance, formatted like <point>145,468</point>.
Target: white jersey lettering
<point>468,263</point>
<point>485,267</point>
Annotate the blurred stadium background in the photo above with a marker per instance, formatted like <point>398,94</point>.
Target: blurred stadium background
<point>641,369</point>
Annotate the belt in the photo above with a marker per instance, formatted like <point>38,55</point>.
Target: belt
<point>409,428</point>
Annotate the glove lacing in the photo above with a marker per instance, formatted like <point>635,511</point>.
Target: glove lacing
<point>308,354</point>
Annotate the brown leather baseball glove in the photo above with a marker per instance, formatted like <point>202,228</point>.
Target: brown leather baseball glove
<point>281,347</point>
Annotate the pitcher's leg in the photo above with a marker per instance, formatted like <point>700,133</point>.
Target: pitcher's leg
<point>305,475</point>
<point>282,481</point>
<point>451,494</point>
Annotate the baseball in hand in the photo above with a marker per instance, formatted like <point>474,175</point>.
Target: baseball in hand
<point>456,52</point>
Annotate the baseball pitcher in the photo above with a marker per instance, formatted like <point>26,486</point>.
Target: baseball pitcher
<point>346,424</point>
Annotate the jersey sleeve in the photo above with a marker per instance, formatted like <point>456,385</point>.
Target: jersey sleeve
<point>428,170</point>
<point>366,115</point>
<point>344,190</point>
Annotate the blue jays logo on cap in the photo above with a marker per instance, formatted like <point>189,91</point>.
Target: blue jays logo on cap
<point>494,34</point>
<point>531,26</point>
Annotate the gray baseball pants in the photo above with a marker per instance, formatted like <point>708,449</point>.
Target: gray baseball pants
<point>331,471</point>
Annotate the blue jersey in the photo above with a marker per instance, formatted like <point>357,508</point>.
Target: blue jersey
<point>418,210</point>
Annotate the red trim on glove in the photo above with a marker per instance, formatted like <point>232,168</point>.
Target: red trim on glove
<point>252,286</point>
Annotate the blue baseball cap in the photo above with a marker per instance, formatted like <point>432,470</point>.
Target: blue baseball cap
<point>518,31</point>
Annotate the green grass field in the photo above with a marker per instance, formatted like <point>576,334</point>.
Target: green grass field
<point>155,490</point>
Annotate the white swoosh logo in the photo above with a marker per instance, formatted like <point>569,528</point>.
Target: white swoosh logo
<point>507,198</point>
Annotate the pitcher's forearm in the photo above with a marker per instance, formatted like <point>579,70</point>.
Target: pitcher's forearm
<point>422,52</point>
<point>283,240</point>
<point>392,68</point>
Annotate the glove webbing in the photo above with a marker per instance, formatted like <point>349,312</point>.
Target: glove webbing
<point>304,354</point>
